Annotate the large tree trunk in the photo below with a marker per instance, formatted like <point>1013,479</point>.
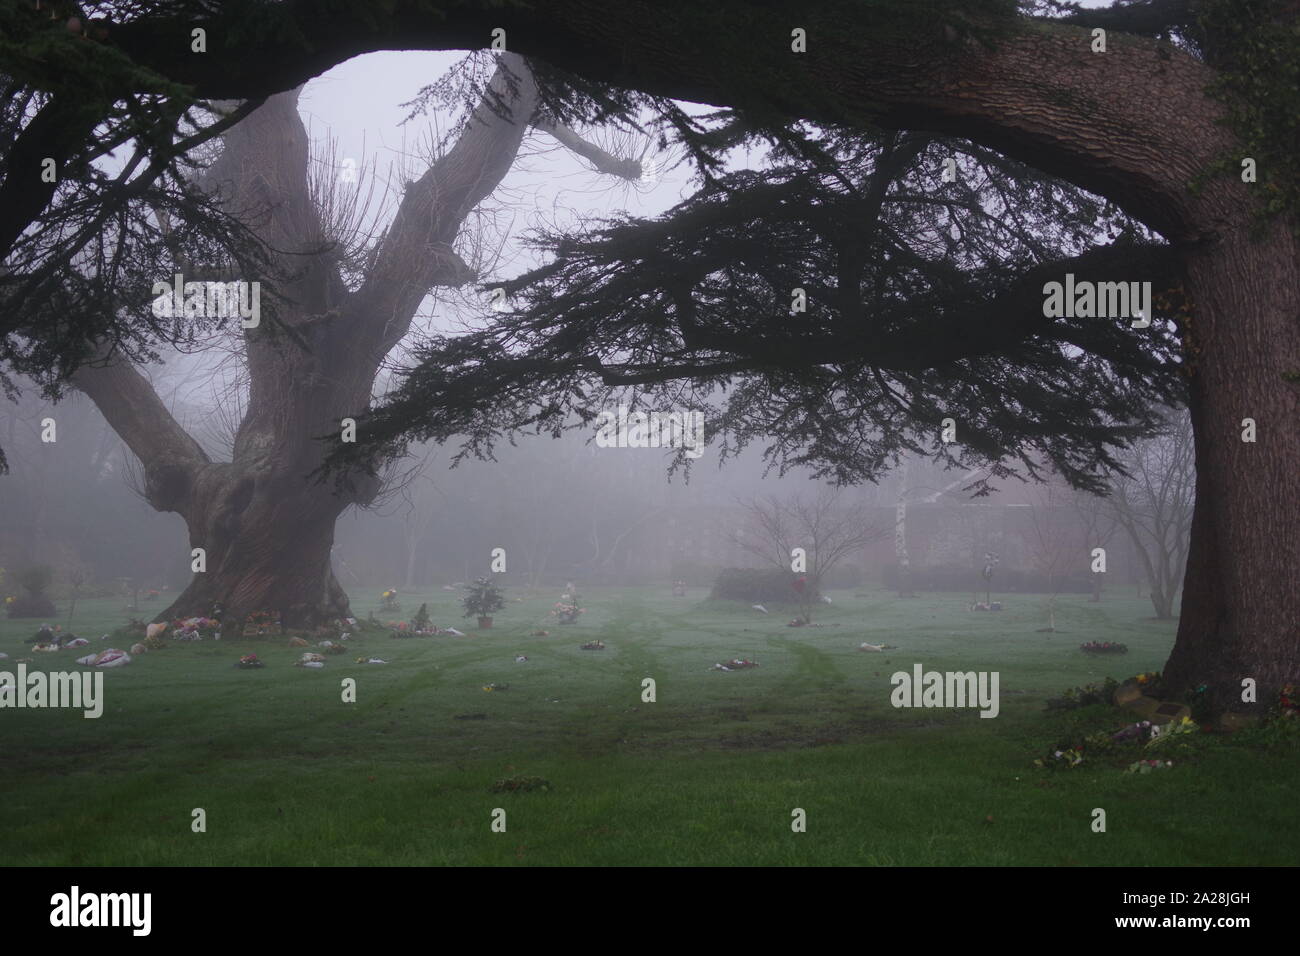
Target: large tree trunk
<point>265,552</point>
<point>1241,593</point>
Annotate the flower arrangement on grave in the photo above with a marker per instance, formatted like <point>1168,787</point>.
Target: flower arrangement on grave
<point>44,635</point>
<point>991,562</point>
<point>195,629</point>
<point>482,600</point>
<point>389,601</point>
<point>1288,701</point>
<point>735,664</point>
<point>421,620</point>
<point>1064,759</point>
<point>1173,733</point>
<point>566,609</point>
<point>249,662</point>
<point>1103,647</point>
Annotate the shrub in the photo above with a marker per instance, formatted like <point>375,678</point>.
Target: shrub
<point>1084,696</point>
<point>756,585</point>
<point>35,580</point>
<point>28,605</point>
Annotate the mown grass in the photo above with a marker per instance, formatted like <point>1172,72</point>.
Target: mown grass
<point>709,774</point>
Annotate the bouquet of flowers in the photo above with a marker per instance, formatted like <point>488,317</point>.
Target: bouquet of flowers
<point>389,601</point>
<point>195,629</point>
<point>1103,647</point>
<point>1066,759</point>
<point>249,662</point>
<point>566,609</point>
<point>1160,736</point>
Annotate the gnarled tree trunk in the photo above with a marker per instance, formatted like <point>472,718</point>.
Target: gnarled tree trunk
<point>264,520</point>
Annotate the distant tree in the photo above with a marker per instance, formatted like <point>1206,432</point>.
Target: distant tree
<point>1099,525</point>
<point>1154,505</point>
<point>1054,540</point>
<point>824,528</point>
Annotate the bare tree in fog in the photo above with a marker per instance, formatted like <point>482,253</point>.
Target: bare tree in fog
<point>1154,507</point>
<point>824,528</point>
<point>341,307</point>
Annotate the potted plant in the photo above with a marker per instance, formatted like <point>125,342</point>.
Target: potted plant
<point>482,600</point>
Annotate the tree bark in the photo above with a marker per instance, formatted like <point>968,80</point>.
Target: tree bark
<point>1241,604</point>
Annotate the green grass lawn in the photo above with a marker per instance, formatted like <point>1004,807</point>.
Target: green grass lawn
<point>288,774</point>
